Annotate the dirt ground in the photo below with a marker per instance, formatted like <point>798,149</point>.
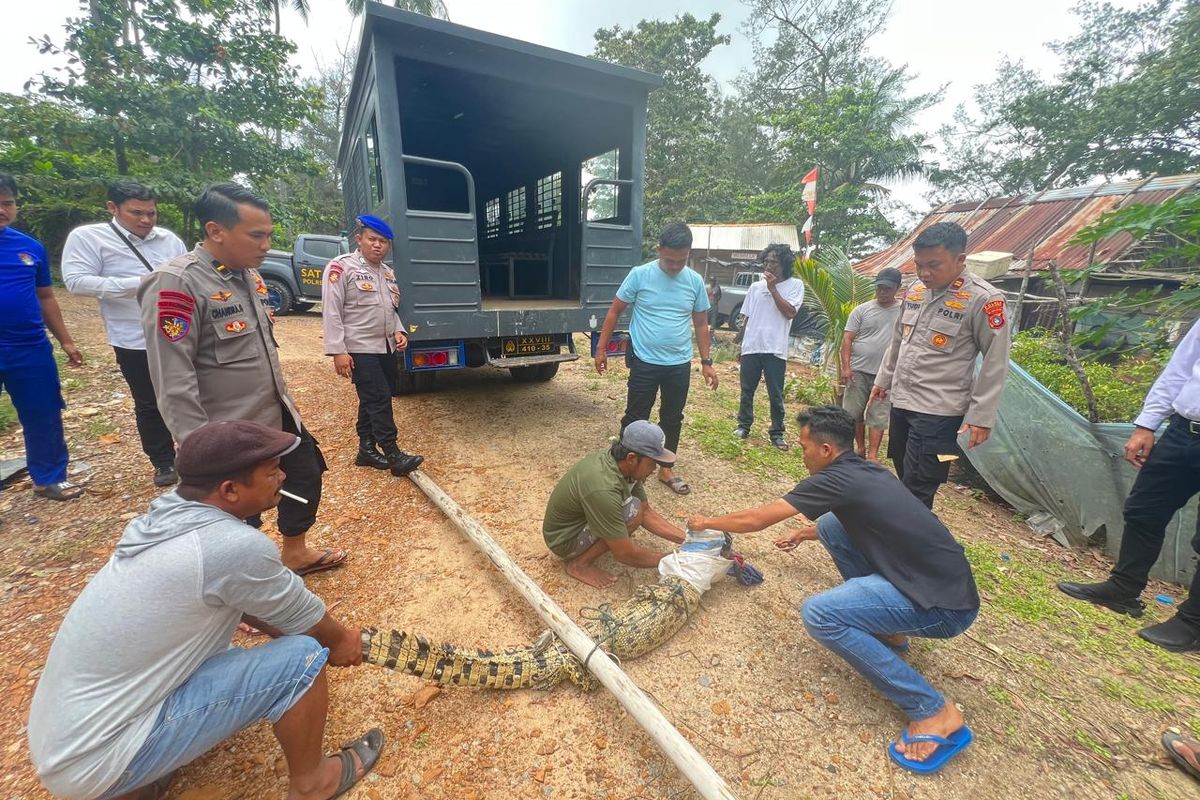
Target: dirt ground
<point>1064,700</point>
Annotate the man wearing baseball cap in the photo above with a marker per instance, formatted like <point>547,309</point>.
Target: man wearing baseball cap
<point>867,335</point>
<point>600,502</point>
<point>363,333</point>
<point>141,678</point>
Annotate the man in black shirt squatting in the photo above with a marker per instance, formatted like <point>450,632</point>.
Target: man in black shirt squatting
<point>904,574</point>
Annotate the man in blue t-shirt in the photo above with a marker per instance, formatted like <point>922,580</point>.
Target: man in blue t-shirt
<point>903,575</point>
<point>27,369</point>
<point>669,301</point>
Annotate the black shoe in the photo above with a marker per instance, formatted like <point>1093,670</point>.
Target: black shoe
<point>1174,635</point>
<point>1104,594</point>
<point>780,442</point>
<point>166,476</point>
<point>403,463</point>
<point>368,456</point>
<point>741,433</point>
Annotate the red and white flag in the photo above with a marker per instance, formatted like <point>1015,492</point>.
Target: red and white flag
<point>807,229</point>
<point>810,199</point>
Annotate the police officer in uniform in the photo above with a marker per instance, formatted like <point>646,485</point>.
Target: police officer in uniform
<point>212,353</point>
<point>359,298</point>
<point>949,317</point>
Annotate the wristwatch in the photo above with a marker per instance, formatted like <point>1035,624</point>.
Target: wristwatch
<point>706,362</point>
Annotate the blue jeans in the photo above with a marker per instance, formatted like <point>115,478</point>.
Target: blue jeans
<point>847,619</point>
<point>228,692</point>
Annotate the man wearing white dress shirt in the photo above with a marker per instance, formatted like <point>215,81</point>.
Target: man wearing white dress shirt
<point>107,260</point>
<point>1168,479</point>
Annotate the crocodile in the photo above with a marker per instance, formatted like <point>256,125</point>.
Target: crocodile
<point>654,614</point>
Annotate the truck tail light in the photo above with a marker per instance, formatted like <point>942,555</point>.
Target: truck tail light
<point>439,358</point>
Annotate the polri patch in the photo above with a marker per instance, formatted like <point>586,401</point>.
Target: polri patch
<point>994,310</point>
<point>940,339</point>
<point>174,326</point>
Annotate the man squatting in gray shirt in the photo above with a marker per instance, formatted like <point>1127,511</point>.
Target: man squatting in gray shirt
<point>141,678</point>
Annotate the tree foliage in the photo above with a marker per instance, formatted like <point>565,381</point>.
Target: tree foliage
<point>685,179</point>
<point>832,289</point>
<point>1126,101</point>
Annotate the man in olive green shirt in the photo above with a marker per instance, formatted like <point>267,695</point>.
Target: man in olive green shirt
<point>600,502</point>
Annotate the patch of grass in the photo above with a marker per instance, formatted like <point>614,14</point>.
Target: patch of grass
<point>999,695</point>
<point>8,414</point>
<point>1195,726</point>
<point>421,742</point>
<point>1092,744</point>
<point>754,455</point>
<point>1134,694</point>
<point>99,425</point>
<point>723,351</point>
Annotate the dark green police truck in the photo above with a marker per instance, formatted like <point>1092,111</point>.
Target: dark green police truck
<point>512,176</point>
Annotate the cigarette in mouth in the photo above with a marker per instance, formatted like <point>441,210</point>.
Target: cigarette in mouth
<point>295,497</point>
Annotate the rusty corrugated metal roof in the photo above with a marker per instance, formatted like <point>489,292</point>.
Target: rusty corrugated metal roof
<point>1047,221</point>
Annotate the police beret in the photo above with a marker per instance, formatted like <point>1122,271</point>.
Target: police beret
<point>220,450</point>
<point>377,225</point>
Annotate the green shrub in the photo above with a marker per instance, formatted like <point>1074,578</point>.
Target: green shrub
<point>811,389</point>
<point>1120,389</point>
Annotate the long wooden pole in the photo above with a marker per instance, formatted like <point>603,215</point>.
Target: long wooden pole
<point>699,772</point>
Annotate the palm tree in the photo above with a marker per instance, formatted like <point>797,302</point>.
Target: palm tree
<point>299,6</point>
<point>430,8</point>
<point>831,291</point>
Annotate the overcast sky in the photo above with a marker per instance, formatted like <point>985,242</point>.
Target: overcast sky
<point>940,41</point>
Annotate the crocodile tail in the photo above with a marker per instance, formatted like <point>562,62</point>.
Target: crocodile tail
<point>540,666</point>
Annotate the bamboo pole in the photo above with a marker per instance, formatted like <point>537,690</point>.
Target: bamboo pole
<point>699,772</point>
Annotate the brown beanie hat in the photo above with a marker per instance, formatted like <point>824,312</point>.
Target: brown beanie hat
<point>219,450</point>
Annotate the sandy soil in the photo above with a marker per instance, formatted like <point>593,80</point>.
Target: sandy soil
<point>1056,713</point>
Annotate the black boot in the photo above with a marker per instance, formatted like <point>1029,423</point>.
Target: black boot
<point>1104,594</point>
<point>369,456</point>
<point>1175,635</point>
<point>401,463</point>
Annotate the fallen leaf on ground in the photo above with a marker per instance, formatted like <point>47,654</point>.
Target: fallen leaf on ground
<point>432,774</point>
<point>110,438</point>
<point>722,708</point>
<point>601,742</point>
<point>425,694</point>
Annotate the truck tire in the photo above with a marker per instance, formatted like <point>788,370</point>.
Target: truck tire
<point>736,321</point>
<point>536,373</point>
<point>414,382</point>
<point>279,296</point>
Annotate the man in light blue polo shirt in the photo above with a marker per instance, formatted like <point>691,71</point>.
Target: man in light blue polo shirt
<point>665,295</point>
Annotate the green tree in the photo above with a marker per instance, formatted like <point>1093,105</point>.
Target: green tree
<point>1126,101</point>
<point>832,290</point>
<point>684,159</point>
<point>825,103</point>
<point>430,8</point>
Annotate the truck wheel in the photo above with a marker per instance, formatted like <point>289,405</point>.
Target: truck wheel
<point>736,320</point>
<point>536,373</point>
<point>279,296</point>
<point>414,382</point>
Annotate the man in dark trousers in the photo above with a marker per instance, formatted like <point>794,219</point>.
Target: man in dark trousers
<point>106,260</point>
<point>904,575</point>
<point>669,302</point>
<point>359,298</point>
<point>212,353</point>
<point>1168,478</point>
<point>27,369</point>
<point>949,318</point>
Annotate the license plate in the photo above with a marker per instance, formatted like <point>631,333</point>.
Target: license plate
<point>528,345</point>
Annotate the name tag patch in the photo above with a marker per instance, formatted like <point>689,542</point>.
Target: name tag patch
<point>227,311</point>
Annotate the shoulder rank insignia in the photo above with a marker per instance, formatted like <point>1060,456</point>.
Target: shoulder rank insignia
<point>173,326</point>
<point>994,310</point>
<point>955,305</point>
<point>220,269</point>
<point>958,282</point>
<point>237,326</point>
<point>220,297</point>
<point>940,339</point>
<point>963,295</point>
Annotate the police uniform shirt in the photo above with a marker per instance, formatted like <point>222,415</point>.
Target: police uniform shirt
<point>210,345</point>
<point>930,365</point>
<point>96,262</point>
<point>358,306</point>
<point>23,270</point>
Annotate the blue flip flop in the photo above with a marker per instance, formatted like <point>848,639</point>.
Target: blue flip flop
<point>948,748</point>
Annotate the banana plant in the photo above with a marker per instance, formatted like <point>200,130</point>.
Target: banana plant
<point>831,291</point>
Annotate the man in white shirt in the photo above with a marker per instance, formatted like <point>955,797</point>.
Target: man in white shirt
<point>1168,479</point>
<point>107,260</point>
<point>770,304</point>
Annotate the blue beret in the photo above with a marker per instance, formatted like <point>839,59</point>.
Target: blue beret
<point>377,225</point>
